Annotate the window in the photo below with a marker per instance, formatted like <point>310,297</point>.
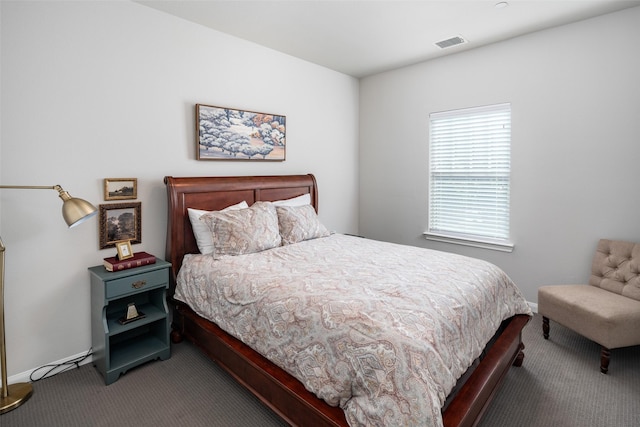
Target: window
<point>469,174</point>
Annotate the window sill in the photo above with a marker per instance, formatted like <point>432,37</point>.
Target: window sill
<point>501,246</point>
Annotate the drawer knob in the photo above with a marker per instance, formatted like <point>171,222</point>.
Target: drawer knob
<point>138,284</point>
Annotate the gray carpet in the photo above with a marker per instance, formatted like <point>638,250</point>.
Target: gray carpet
<point>559,385</point>
<point>185,390</point>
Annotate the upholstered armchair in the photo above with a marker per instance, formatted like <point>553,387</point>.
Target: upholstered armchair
<point>607,310</point>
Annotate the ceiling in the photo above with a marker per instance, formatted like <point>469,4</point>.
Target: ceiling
<point>365,37</point>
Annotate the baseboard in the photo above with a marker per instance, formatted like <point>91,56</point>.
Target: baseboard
<point>49,369</point>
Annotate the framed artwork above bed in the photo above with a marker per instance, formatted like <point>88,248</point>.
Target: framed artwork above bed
<point>230,134</point>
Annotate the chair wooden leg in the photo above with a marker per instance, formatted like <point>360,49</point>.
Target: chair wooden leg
<point>605,353</point>
<point>605,356</point>
<point>545,327</point>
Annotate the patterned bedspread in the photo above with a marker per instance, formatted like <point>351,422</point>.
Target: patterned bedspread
<point>382,330</point>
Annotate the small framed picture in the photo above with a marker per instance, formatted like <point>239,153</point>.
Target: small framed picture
<point>120,188</point>
<point>124,249</point>
<point>119,222</point>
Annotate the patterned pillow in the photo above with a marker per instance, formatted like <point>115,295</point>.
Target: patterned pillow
<point>299,223</point>
<point>201,231</point>
<point>244,231</point>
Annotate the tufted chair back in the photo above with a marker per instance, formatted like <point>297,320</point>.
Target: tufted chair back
<point>616,268</point>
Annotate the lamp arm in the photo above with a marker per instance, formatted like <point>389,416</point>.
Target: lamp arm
<point>31,187</point>
<point>61,192</point>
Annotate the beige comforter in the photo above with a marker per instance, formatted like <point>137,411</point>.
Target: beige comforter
<point>380,329</point>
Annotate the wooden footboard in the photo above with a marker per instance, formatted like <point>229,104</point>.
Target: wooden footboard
<point>467,408</point>
<point>287,397</point>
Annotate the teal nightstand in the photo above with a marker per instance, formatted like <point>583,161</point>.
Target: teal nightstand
<point>119,347</point>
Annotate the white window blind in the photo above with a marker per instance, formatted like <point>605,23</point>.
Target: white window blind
<point>469,170</point>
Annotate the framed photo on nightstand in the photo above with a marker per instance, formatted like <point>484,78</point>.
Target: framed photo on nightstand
<point>124,250</point>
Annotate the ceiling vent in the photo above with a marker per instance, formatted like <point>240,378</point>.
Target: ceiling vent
<point>453,41</point>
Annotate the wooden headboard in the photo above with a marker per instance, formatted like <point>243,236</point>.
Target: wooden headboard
<point>216,193</point>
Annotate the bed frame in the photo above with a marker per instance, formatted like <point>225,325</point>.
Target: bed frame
<point>281,392</point>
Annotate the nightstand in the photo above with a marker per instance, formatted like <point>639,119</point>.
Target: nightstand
<point>118,347</point>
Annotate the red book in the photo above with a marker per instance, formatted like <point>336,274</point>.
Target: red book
<point>138,259</point>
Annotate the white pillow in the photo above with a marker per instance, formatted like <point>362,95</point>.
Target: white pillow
<point>305,199</point>
<point>201,231</point>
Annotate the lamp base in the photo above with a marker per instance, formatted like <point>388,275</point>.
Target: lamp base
<point>18,394</point>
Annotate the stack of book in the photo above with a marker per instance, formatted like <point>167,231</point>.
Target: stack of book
<point>139,259</point>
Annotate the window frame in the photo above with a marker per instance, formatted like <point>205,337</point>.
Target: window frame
<point>501,243</point>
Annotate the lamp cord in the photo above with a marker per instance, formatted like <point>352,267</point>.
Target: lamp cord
<point>69,364</point>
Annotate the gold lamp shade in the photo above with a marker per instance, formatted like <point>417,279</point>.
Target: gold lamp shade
<point>75,211</point>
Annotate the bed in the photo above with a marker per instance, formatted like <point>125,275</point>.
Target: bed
<point>274,386</point>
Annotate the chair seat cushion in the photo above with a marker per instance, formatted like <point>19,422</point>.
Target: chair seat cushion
<point>610,319</point>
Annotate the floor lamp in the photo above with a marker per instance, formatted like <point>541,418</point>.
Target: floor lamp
<point>74,211</point>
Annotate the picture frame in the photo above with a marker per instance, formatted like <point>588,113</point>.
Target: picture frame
<point>118,222</point>
<point>124,249</point>
<point>120,188</point>
<point>230,134</point>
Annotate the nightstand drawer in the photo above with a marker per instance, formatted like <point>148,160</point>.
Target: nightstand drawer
<point>137,283</point>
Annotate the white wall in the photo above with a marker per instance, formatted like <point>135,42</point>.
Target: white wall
<point>94,90</point>
<point>575,101</point>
